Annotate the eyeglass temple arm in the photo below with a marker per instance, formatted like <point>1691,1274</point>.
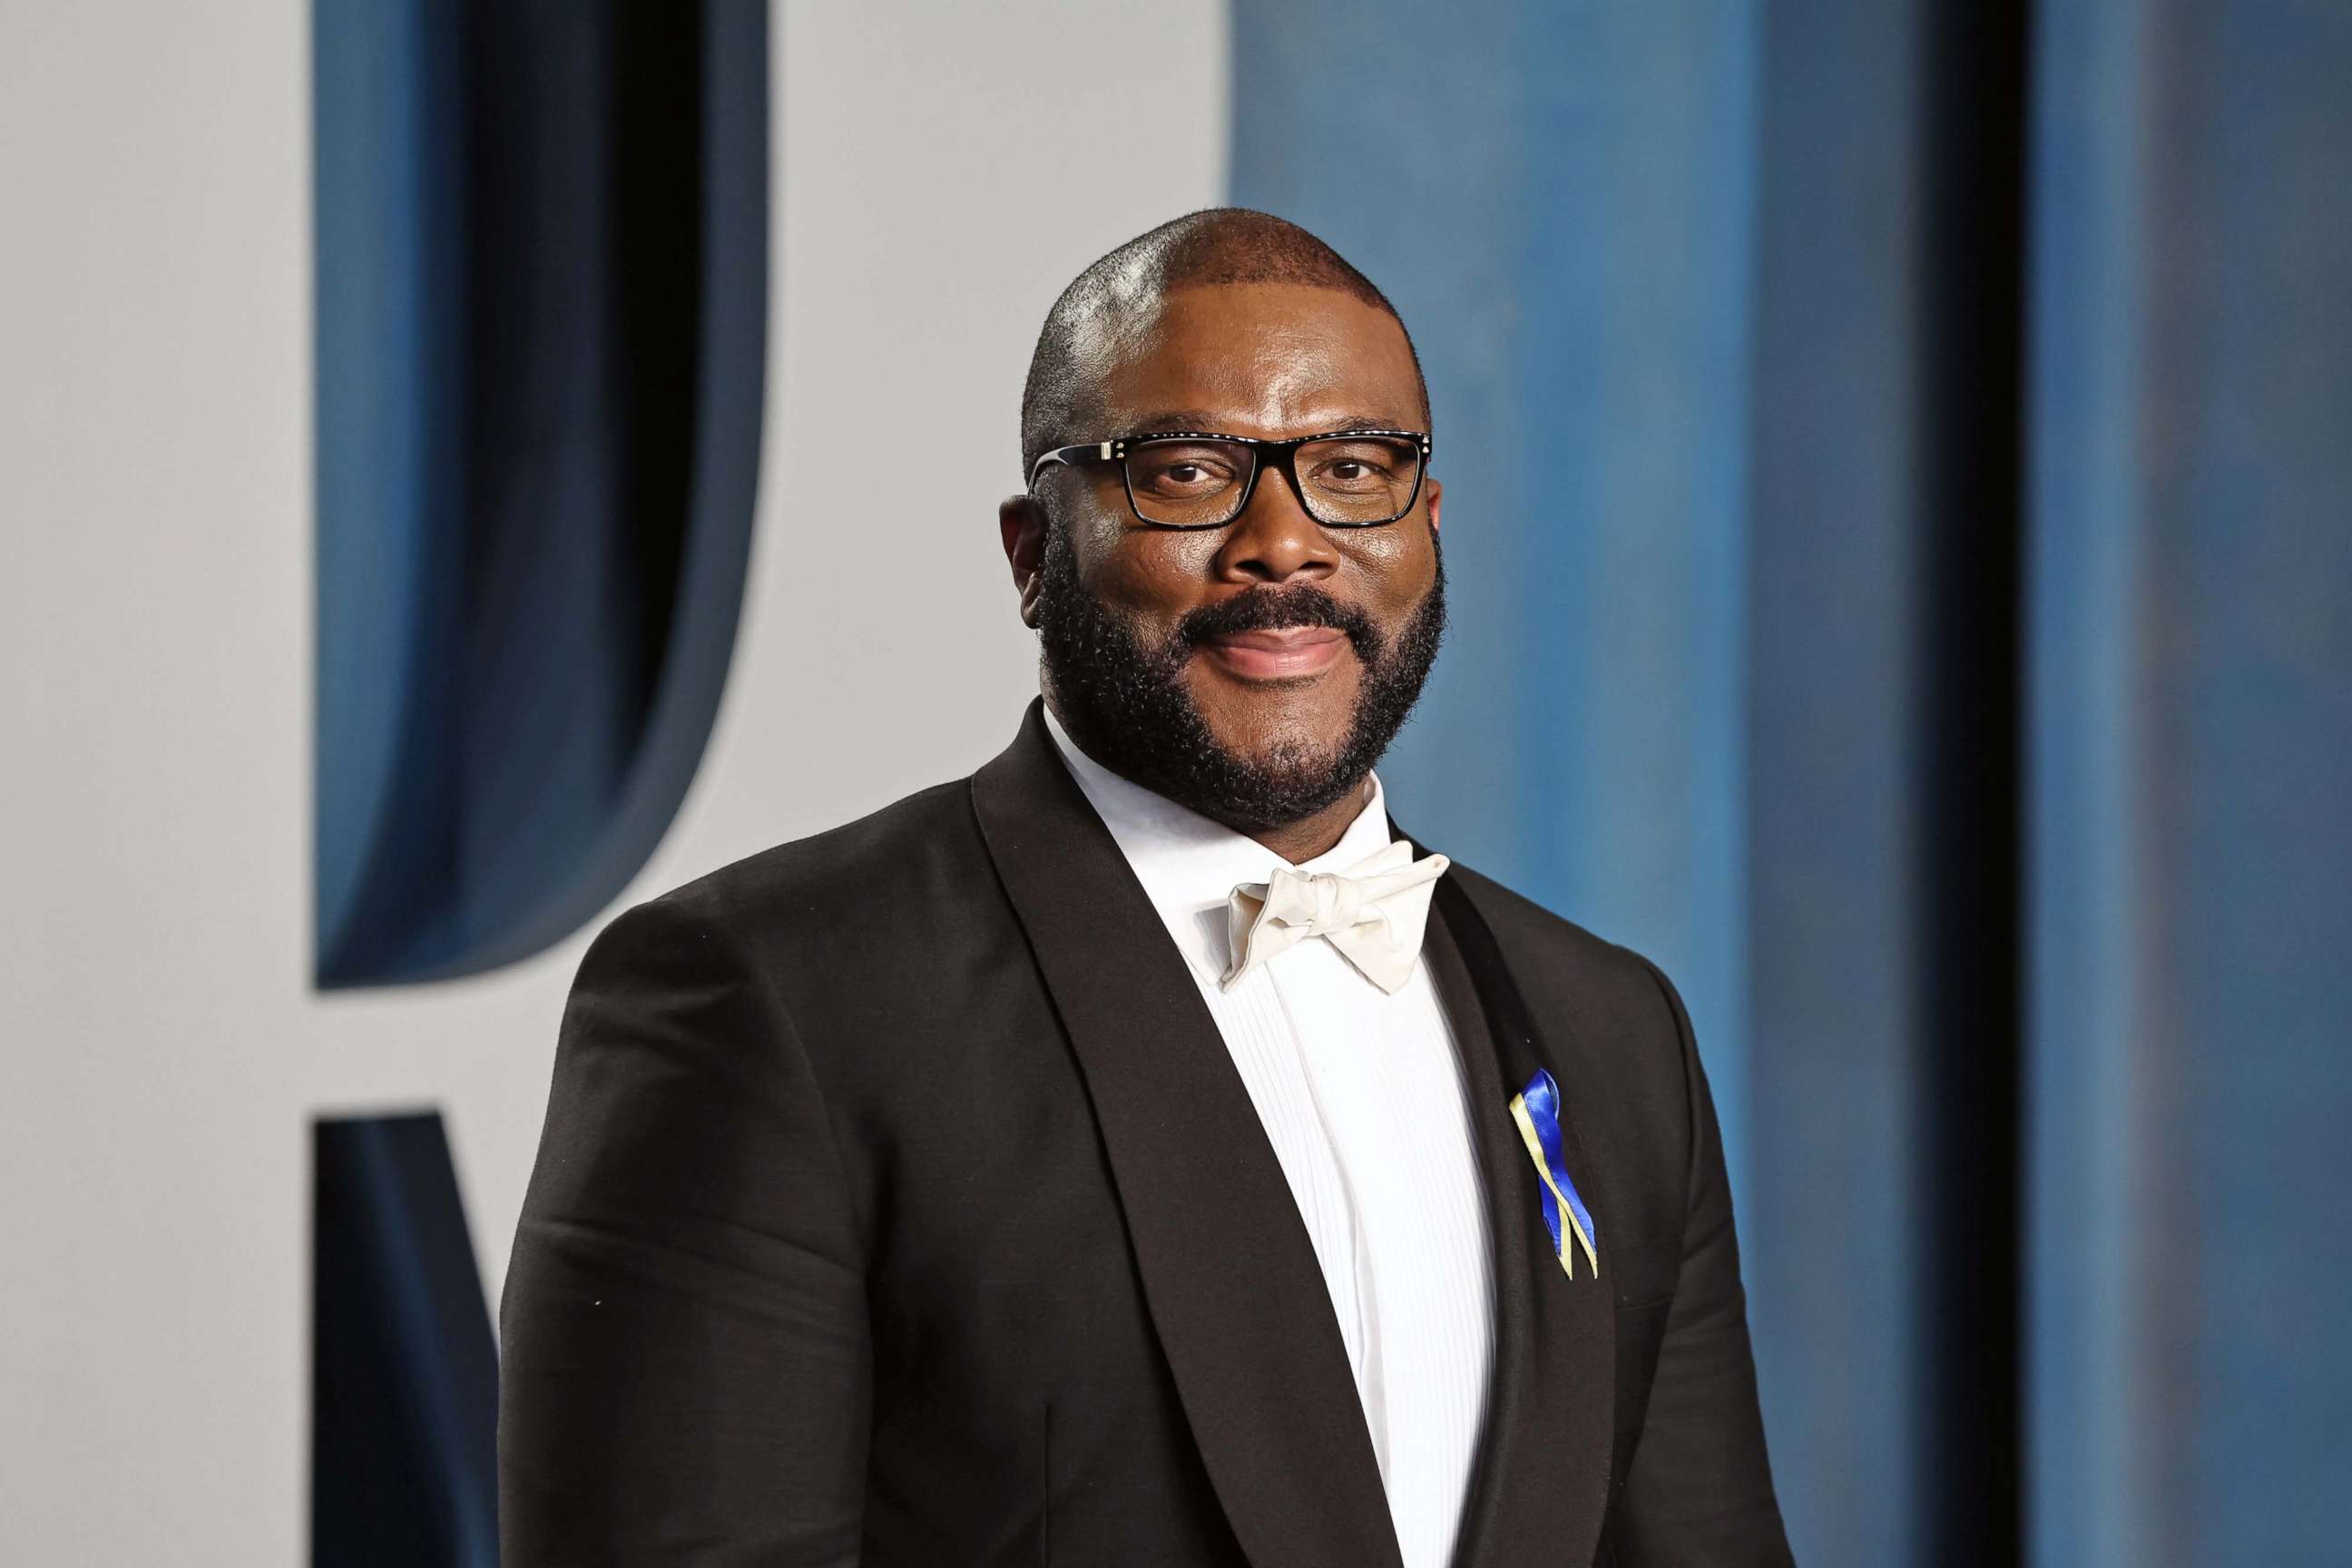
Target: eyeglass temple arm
<point>1067,457</point>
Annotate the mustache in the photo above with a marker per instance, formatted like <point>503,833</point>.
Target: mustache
<point>1272,609</point>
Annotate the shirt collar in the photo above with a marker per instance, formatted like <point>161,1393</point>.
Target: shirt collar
<point>1188,863</point>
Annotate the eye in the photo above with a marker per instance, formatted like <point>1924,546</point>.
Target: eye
<point>1181,469</point>
<point>1354,466</point>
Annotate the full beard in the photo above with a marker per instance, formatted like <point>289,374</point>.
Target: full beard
<point>1126,705</point>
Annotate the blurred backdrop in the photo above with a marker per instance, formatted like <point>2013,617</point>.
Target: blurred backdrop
<point>471,466</point>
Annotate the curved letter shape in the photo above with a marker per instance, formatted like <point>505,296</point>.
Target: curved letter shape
<point>541,318</point>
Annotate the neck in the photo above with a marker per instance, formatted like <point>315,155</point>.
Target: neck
<point>1311,835</point>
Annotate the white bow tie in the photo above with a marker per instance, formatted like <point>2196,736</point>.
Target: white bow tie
<point>1374,912</point>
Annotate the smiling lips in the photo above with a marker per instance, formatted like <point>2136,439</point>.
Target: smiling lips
<point>1282,653</point>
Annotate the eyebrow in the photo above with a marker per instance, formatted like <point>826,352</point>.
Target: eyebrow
<point>1195,419</point>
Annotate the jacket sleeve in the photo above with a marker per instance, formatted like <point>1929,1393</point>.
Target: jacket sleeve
<point>1700,1488</point>
<point>685,1371</point>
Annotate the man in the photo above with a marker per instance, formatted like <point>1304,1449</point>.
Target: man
<point>1139,1153</point>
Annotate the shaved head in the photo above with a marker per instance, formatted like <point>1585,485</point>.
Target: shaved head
<point>1111,302</point>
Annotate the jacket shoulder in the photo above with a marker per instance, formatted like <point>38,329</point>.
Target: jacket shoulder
<point>894,864</point>
<point>1555,949</point>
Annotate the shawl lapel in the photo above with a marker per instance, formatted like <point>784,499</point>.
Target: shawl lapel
<point>1229,1274</point>
<point>1542,1483</point>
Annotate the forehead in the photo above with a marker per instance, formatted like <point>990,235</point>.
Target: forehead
<point>1256,359</point>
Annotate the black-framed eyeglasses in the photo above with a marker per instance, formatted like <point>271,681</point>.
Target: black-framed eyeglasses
<point>1196,478</point>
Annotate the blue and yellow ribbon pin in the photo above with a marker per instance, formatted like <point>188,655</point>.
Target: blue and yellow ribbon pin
<point>1537,1110</point>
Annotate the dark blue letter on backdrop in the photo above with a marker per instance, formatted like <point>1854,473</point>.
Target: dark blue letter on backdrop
<point>541,321</point>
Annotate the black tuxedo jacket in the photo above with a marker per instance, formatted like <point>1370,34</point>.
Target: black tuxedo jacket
<point>898,1202</point>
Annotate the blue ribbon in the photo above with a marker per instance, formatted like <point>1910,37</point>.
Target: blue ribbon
<point>1536,1109</point>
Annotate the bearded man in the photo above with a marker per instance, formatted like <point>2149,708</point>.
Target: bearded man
<point>1142,1151</point>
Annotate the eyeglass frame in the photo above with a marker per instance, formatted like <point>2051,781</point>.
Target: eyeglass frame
<point>1283,452</point>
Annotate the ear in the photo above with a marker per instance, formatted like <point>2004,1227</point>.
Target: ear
<point>1022,522</point>
<point>1435,494</point>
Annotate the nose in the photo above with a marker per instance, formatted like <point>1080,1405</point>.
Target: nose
<point>1274,541</point>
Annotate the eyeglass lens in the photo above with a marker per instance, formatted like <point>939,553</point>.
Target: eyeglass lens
<point>1346,479</point>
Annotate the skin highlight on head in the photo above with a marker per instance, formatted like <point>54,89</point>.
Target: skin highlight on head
<point>1253,672</point>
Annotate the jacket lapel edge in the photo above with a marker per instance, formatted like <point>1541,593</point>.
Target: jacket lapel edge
<point>1543,1481</point>
<point>1230,1277</point>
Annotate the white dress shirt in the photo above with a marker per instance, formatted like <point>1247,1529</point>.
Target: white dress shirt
<point>1361,1094</point>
